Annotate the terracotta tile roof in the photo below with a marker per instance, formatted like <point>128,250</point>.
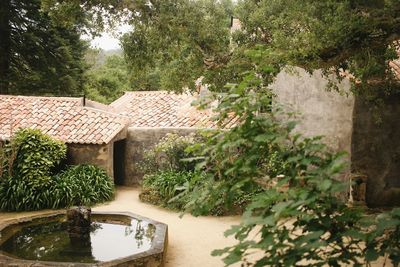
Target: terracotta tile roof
<point>163,109</point>
<point>63,118</point>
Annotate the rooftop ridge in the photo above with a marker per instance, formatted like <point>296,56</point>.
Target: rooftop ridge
<point>58,98</point>
<point>72,123</point>
<point>163,109</point>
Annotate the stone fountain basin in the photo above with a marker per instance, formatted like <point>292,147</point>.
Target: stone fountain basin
<point>152,257</point>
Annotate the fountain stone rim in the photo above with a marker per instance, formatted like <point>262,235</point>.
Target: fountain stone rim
<point>158,248</point>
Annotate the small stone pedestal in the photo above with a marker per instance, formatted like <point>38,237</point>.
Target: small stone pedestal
<point>79,222</point>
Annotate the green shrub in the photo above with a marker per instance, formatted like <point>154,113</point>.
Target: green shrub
<point>33,157</point>
<point>78,185</point>
<point>169,153</point>
<point>28,163</point>
<point>162,188</point>
<point>175,190</point>
<point>81,185</point>
<point>171,179</point>
<point>19,195</point>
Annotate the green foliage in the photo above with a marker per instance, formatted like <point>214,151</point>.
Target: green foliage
<point>169,154</point>
<point>301,216</point>
<point>356,37</point>
<point>175,190</point>
<point>108,81</point>
<point>78,185</point>
<point>28,166</point>
<point>165,188</point>
<point>385,239</point>
<point>81,185</point>
<point>167,174</point>
<point>38,56</point>
<point>89,17</point>
<point>172,40</point>
<point>34,157</point>
<point>170,178</point>
<point>18,195</point>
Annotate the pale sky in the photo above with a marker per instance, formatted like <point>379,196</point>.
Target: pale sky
<point>108,41</point>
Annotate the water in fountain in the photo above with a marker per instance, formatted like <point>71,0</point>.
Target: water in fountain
<point>77,239</point>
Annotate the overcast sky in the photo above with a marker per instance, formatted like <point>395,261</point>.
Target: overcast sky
<point>108,41</point>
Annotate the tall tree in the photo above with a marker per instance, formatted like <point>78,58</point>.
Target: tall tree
<point>175,42</point>
<point>41,51</point>
<point>37,56</point>
<point>5,44</point>
<point>108,81</point>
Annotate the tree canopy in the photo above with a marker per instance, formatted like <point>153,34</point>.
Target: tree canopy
<point>107,81</point>
<point>36,55</point>
<point>41,50</point>
<point>179,41</point>
<point>355,38</point>
<point>175,42</point>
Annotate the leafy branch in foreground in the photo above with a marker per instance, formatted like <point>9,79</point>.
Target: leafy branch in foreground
<point>301,217</point>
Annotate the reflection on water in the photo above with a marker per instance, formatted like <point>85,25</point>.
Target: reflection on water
<point>108,241</point>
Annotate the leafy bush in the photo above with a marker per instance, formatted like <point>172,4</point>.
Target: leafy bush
<point>170,178</point>
<point>18,195</point>
<point>33,157</point>
<point>165,188</point>
<point>28,163</point>
<point>169,153</point>
<point>78,185</point>
<point>81,185</point>
<point>175,190</point>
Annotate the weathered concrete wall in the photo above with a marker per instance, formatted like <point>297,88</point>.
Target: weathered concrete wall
<point>321,112</point>
<point>95,154</point>
<point>348,124</point>
<point>139,140</point>
<point>99,155</point>
<point>376,151</point>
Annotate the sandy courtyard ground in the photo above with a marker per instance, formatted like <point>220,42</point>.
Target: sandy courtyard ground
<point>191,239</point>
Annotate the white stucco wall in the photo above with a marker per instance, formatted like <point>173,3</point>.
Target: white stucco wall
<point>322,112</point>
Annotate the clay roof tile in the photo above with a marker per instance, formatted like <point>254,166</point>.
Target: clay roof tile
<point>162,109</point>
<point>63,118</point>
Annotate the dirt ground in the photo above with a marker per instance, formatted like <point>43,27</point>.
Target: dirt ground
<point>191,239</point>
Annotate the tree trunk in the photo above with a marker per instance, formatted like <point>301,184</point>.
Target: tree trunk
<point>5,45</point>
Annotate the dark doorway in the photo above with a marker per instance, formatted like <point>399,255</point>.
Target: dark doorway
<point>119,162</point>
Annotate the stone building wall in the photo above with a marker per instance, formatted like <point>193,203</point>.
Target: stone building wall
<point>348,124</point>
<point>139,140</point>
<point>99,155</point>
<point>321,113</point>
